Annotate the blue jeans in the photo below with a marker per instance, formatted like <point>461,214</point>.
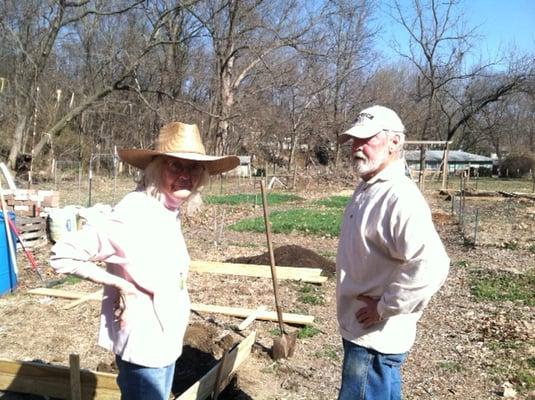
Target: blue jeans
<point>143,383</point>
<point>370,375</point>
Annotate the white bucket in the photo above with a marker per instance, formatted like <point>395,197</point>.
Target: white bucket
<point>62,221</point>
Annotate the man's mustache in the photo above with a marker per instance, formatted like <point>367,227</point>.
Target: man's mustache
<point>359,154</point>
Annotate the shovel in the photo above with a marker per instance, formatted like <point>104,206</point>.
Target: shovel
<point>284,346</point>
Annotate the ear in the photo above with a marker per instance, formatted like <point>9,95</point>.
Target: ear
<point>394,142</point>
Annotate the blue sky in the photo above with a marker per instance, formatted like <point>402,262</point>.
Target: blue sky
<point>502,24</point>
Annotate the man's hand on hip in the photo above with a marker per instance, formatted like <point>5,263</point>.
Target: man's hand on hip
<point>368,314</point>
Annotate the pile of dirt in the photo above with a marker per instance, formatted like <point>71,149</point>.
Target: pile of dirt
<point>291,256</point>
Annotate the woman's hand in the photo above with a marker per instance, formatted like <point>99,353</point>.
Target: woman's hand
<point>128,292</point>
<point>368,315</point>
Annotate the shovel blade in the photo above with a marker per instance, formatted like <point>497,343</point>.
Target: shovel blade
<point>284,346</point>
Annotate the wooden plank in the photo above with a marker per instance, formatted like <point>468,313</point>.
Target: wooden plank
<point>54,381</point>
<point>91,296</point>
<point>23,220</point>
<point>289,318</point>
<point>249,320</point>
<point>311,275</point>
<point>203,388</point>
<point>66,294</point>
<point>32,235</point>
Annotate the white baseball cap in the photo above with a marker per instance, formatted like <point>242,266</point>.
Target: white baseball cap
<point>371,121</point>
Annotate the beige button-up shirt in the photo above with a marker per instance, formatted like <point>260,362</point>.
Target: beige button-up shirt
<point>389,250</point>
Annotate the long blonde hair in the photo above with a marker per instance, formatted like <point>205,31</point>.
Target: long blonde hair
<point>150,182</point>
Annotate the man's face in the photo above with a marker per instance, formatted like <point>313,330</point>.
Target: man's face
<point>371,155</point>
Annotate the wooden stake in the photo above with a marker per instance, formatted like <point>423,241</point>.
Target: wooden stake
<point>76,385</point>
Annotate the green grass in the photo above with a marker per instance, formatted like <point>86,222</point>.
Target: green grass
<point>503,286</point>
<point>306,221</point>
<point>234,199</point>
<point>450,366</point>
<point>460,264</point>
<point>307,332</point>
<point>310,295</point>
<point>333,202</point>
<point>511,245</point>
<point>275,332</point>
<point>531,248</point>
<point>329,351</point>
<point>505,344</point>
<point>492,184</point>
<point>527,376</point>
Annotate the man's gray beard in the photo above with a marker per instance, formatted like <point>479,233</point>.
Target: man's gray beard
<point>363,166</point>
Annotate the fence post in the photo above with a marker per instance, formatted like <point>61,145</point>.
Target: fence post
<point>475,228</point>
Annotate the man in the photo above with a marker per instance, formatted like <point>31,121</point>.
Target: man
<point>390,260</point>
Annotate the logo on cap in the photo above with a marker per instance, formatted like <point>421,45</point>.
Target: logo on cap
<point>360,118</point>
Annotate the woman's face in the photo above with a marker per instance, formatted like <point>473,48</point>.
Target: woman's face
<point>179,179</point>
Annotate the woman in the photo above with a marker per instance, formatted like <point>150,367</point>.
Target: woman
<point>145,306</point>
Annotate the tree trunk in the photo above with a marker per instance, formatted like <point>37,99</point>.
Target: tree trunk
<point>17,142</point>
<point>62,123</point>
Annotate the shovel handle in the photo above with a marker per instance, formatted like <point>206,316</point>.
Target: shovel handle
<point>271,257</point>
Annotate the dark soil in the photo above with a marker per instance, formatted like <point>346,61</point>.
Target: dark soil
<point>291,256</point>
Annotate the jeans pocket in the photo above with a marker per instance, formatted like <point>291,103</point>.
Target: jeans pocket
<point>392,360</point>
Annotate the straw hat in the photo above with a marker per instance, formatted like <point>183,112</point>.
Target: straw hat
<point>179,140</point>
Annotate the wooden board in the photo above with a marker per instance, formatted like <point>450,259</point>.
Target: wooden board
<point>54,381</point>
<point>203,388</point>
<point>289,318</point>
<point>311,275</point>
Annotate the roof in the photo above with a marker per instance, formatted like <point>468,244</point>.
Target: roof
<point>453,156</point>
<point>245,160</point>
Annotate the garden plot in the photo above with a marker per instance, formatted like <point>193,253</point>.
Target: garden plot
<point>483,317</point>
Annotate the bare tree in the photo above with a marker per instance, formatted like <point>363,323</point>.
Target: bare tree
<point>349,38</point>
<point>448,88</point>
<point>32,28</point>
<point>242,34</point>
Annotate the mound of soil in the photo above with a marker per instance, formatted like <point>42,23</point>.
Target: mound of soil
<point>291,256</point>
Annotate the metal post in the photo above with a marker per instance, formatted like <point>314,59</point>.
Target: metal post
<point>90,178</point>
<point>115,161</point>
<point>445,169</point>
<point>475,228</point>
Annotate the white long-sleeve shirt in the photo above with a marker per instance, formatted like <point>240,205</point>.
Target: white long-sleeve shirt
<point>141,242</point>
<point>388,250</point>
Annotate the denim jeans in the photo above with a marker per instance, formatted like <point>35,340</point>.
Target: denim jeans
<point>370,375</point>
<point>143,383</point>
